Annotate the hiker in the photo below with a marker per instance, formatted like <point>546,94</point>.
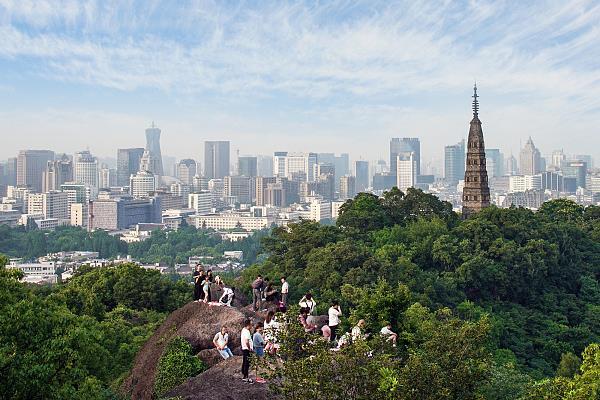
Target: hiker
<point>387,332</point>
<point>257,293</point>
<point>308,302</point>
<point>246,339</point>
<point>270,332</point>
<point>334,314</point>
<point>197,282</point>
<point>271,293</point>
<point>303,319</point>
<point>206,289</point>
<point>357,331</point>
<point>211,278</point>
<point>227,296</point>
<point>285,289</point>
<point>258,342</point>
<point>221,342</point>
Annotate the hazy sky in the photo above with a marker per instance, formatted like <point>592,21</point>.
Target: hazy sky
<point>336,76</point>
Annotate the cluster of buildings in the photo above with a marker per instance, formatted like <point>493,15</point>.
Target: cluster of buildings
<point>143,190</point>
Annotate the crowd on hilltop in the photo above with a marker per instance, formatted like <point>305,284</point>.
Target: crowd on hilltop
<point>261,338</point>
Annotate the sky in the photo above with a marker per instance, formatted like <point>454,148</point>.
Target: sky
<point>323,76</point>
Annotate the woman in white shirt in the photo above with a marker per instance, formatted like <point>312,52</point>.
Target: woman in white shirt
<point>334,313</point>
<point>307,301</point>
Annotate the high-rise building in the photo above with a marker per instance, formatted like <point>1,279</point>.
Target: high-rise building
<point>247,166</point>
<point>521,183</point>
<point>558,157</point>
<point>200,202</point>
<point>128,163</point>
<point>552,181</point>
<point>142,184</point>
<point>510,166</point>
<point>262,183</point>
<point>347,187</point>
<point>31,165</point>
<point>149,163</point>
<point>186,170</point>
<point>199,184</point>
<point>10,172</point>
<point>589,161</point>
<point>85,169</point>
<point>531,159</point>
<point>265,165</point>
<point>406,170</point>
<point>454,162</point>
<point>295,166</point>
<point>52,204</point>
<point>123,212</point>
<point>404,145</point>
<point>57,172</point>
<point>216,159</point>
<point>361,171</point>
<point>238,187</point>
<point>494,162</point>
<point>342,167</point>
<point>153,146</point>
<point>476,192</point>
<point>107,177</point>
<point>576,169</point>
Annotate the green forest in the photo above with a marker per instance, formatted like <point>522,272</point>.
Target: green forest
<point>503,305</point>
<point>162,247</point>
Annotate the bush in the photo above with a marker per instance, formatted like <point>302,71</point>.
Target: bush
<point>176,364</point>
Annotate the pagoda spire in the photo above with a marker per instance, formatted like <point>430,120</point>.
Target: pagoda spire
<point>475,102</point>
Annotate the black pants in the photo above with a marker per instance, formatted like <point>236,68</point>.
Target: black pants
<point>333,329</point>
<point>197,292</point>
<point>245,362</point>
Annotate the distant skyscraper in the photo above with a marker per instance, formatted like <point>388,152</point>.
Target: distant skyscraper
<point>149,163</point>
<point>128,163</point>
<point>142,184</point>
<point>57,172</point>
<point>510,166</point>
<point>454,162</point>
<point>295,166</point>
<point>247,166</point>
<point>85,169</point>
<point>558,157</point>
<point>576,169</point>
<point>31,165</point>
<point>107,177</point>
<point>361,171</point>
<point>476,192</point>
<point>216,159</point>
<point>153,146</point>
<point>186,170</point>
<point>495,162</point>
<point>589,161</point>
<point>10,172</point>
<point>404,145</point>
<point>347,187</point>
<point>406,170</point>
<point>265,166</point>
<point>531,159</point>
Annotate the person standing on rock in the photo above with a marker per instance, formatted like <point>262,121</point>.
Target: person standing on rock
<point>206,289</point>
<point>285,289</point>
<point>246,338</point>
<point>197,282</point>
<point>334,314</point>
<point>221,342</point>
<point>257,287</point>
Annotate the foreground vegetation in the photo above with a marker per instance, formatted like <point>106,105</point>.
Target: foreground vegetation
<point>505,305</point>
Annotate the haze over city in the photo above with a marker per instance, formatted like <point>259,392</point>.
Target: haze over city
<point>298,76</point>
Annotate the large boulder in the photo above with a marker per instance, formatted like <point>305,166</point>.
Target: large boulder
<point>195,322</point>
<point>222,382</point>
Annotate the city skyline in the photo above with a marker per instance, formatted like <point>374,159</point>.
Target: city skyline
<point>330,78</point>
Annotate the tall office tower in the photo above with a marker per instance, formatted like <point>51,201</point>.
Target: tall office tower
<point>180,189</point>
<point>295,166</point>
<point>347,187</point>
<point>123,212</point>
<point>265,165</point>
<point>510,166</point>
<point>149,163</point>
<point>238,187</point>
<point>454,162</point>
<point>107,177</point>
<point>494,162</point>
<point>31,165</point>
<point>275,195</point>
<point>361,171</point>
<point>153,146</point>
<point>261,186</point>
<point>199,184</point>
<point>2,181</point>
<point>558,158</point>
<point>247,166</point>
<point>576,169</point>
<point>342,164</point>
<point>53,204</point>
<point>128,163</point>
<point>216,159</point>
<point>404,145</point>
<point>57,172</point>
<point>326,158</point>
<point>142,184</point>
<point>186,170</point>
<point>170,166</point>
<point>10,172</point>
<point>406,173</point>
<point>85,169</point>
<point>589,161</point>
<point>530,158</point>
<point>200,202</point>
<point>476,192</point>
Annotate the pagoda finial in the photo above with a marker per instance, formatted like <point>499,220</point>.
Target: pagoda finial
<point>475,102</point>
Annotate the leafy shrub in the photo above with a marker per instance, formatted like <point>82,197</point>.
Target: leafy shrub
<point>176,364</point>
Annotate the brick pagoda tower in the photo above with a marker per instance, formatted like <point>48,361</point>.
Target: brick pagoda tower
<point>476,192</point>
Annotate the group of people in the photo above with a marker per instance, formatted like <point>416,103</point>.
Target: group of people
<point>264,290</point>
<point>204,281</point>
<point>255,339</point>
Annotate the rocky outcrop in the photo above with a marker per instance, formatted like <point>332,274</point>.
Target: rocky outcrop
<point>222,382</point>
<point>195,322</point>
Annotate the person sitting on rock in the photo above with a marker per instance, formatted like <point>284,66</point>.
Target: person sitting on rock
<point>221,342</point>
<point>303,319</point>
<point>227,296</point>
<point>246,339</point>
<point>357,331</point>
<point>271,294</point>
<point>270,332</point>
<point>387,332</point>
